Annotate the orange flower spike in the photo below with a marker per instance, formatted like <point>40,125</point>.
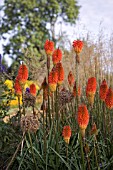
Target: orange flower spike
<point>77,45</point>
<point>49,47</point>
<point>66,133</point>
<point>71,78</point>
<point>74,90</point>
<point>22,74</point>
<point>57,56</point>
<point>17,87</point>
<point>109,99</point>
<point>33,89</point>
<point>53,79</point>
<point>91,86</point>
<point>103,90</point>
<point>91,90</point>
<point>60,72</point>
<point>83,118</point>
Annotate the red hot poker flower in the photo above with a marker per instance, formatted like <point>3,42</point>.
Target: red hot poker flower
<point>57,56</point>
<point>49,47</point>
<point>71,78</point>
<point>60,72</point>
<point>91,90</point>
<point>33,89</point>
<point>83,118</point>
<point>17,87</point>
<point>91,86</point>
<point>109,99</point>
<point>22,74</point>
<point>66,133</point>
<point>77,45</point>
<point>53,79</point>
<point>103,90</point>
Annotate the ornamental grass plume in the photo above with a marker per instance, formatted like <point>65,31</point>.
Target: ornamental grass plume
<point>82,118</point>
<point>17,87</point>
<point>33,89</point>
<point>60,72</point>
<point>74,90</point>
<point>71,78</point>
<point>91,90</point>
<point>56,56</point>
<point>109,99</point>
<point>52,80</point>
<point>103,90</point>
<point>49,47</point>
<point>22,74</point>
<point>66,133</point>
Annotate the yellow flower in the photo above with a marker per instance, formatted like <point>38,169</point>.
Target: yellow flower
<point>15,101</point>
<point>9,84</point>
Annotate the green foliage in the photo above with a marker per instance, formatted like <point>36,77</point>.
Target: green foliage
<point>25,23</point>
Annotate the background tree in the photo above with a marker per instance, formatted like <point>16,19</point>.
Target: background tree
<point>24,23</point>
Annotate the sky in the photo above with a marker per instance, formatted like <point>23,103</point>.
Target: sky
<point>93,15</point>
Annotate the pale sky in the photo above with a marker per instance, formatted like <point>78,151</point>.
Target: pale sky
<point>92,13</point>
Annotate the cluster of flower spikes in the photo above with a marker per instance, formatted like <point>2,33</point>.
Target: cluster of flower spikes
<point>66,133</point>
<point>56,75</point>
<point>83,118</point>
<point>106,94</point>
<point>91,90</point>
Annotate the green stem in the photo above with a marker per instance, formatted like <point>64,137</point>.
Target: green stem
<point>32,150</point>
<point>95,154</point>
<point>82,152</point>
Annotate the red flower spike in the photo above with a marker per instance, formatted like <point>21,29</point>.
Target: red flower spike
<point>66,133</point>
<point>83,118</point>
<point>17,87</point>
<point>74,90</point>
<point>103,90</point>
<point>91,90</point>
<point>57,56</point>
<point>91,86</point>
<point>22,74</point>
<point>60,72</point>
<point>33,89</point>
<point>77,45</point>
<point>49,47</point>
<point>53,79</point>
<point>71,78</point>
<point>109,99</point>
